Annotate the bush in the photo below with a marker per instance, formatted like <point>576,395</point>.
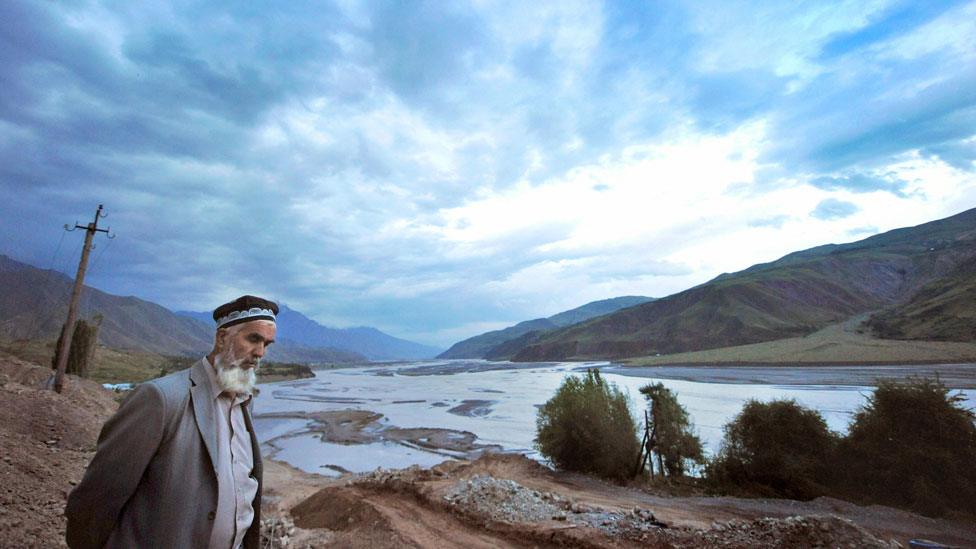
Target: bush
<point>587,427</point>
<point>777,448</point>
<point>913,445</point>
<point>675,442</point>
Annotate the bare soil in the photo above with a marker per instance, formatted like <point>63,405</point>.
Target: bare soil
<point>46,441</point>
<point>498,500</point>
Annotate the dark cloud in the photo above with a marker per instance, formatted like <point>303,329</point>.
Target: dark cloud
<point>832,208</point>
<point>722,101</point>
<point>868,113</point>
<point>426,49</point>
<point>958,154</point>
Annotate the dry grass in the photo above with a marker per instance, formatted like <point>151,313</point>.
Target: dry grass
<point>133,366</point>
<point>841,343</point>
<point>110,365</point>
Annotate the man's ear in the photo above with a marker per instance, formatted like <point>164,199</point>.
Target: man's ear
<point>220,339</point>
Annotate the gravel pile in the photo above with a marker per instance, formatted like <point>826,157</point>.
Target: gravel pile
<point>276,532</point>
<point>507,501</point>
<point>797,531</point>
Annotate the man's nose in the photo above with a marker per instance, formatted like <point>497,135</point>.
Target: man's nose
<point>259,350</point>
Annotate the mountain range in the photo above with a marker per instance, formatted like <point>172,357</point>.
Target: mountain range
<point>33,305</point>
<point>370,342</point>
<point>919,281</point>
<point>916,283</point>
<point>498,344</point>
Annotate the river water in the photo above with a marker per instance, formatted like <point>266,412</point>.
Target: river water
<point>498,402</point>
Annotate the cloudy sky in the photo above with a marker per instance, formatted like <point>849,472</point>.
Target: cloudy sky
<point>440,169</point>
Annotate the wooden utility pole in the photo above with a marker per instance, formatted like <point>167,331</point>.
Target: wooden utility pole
<point>67,331</point>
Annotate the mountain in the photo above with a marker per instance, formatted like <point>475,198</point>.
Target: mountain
<point>500,344</point>
<point>905,271</point>
<point>34,303</point>
<point>943,310</point>
<point>369,342</point>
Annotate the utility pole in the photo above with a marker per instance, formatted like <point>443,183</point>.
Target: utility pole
<point>68,330</point>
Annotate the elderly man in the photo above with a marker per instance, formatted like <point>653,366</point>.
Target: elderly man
<point>179,465</point>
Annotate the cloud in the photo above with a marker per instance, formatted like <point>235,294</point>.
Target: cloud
<point>832,208</point>
<point>426,167</point>
<point>775,221</point>
<point>891,22</point>
<point>860,183</point>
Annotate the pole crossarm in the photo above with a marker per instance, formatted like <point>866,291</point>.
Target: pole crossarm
<point>67,331</point>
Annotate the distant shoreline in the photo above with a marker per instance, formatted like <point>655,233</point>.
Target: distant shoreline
<point>953,376</point>
<point>793,364</point>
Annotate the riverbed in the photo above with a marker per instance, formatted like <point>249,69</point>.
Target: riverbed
<point>426,412</point>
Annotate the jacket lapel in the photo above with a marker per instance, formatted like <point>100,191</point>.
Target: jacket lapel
<point>201,394</point>
<point>255,446</point>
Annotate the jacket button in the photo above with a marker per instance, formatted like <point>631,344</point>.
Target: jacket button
<point>211,515</point>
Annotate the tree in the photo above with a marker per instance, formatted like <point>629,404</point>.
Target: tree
<point>776,448</point>
<point>675,443</point>
<point>587,427</point>
<point>913,445</point>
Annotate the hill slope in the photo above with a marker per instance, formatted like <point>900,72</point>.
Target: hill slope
<point>499,343</point>
<point>793,296</point>
<point>943,310</point>
<point>33,305</point>
<point>369,342</point>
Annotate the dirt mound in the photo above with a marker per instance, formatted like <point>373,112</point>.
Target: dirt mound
<point>46,440</point>
<point>337,509</point>
<point>510,466</point>
<point>378,515</point>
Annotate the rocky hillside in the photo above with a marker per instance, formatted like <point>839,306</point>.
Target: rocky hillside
<point>795,295</point>
<point>499,344</point>
<point>943,310</point>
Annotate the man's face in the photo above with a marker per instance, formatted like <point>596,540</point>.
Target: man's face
<point>247,345</point>
<point>241,349</point>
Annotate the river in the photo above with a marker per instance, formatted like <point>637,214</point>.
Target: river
<point>498,402</point>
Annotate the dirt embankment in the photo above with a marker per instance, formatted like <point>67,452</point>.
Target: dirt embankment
<point>46,440</point>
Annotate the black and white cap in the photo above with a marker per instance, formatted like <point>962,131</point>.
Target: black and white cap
<point>245,309</point>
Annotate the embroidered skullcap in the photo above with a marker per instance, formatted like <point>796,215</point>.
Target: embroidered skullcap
<point>245,309</point>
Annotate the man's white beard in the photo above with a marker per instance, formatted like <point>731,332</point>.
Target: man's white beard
<point>232,378</point>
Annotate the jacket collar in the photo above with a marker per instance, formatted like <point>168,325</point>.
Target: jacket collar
<point>201,394</point>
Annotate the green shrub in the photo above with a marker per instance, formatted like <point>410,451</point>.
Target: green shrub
<point>675,443</point>
<point>587,427</point>
<point>913,445</point>
<point>776,448</point>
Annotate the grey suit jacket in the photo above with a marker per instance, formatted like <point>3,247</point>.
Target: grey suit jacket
<point>152,482</point>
